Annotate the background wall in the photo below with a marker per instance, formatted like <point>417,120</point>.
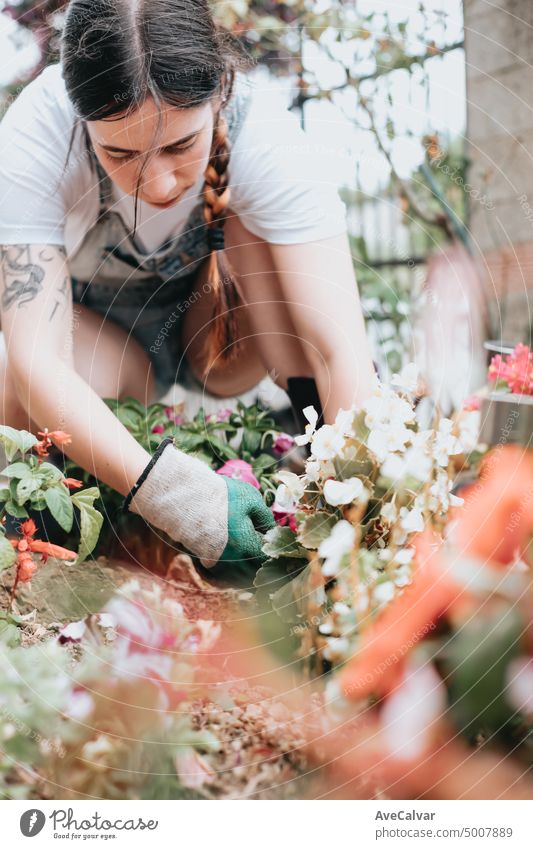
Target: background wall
<point>499,60</point>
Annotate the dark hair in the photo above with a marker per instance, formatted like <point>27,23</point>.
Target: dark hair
<point>117,53</point>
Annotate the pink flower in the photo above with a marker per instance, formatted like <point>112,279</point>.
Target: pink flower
<point>158,429</point>
<point>224,414</point>
<point>283,443</point>
<point>175,418</point>
<point>473,402</point>
<point>516,370</point>
<point>239,470</point>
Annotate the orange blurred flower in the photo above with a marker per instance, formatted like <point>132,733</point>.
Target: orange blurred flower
<point>496,521</point>
<point>380,664</point>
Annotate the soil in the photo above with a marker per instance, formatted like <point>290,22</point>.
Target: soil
<point>262,754</point>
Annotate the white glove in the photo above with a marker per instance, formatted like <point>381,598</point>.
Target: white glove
<point>214,517</point>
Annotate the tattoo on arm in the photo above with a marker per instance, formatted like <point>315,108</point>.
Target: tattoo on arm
<point>24,275</point>
<point>63,297</point>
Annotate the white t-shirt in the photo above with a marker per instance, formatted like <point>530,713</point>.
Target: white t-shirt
<point>279,182</point>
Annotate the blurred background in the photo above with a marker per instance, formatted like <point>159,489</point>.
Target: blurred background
<point>423,110</point>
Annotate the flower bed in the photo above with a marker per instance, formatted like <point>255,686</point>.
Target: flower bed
<point>400,603</point>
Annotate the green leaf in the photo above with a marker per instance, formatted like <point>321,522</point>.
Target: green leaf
<point>188,442</point>
<point>9,634</point>
<point>316,528</point>
<point>16,510</point>
<point>58,502</point>
<point>7,553</point>
<point>25,487</point>
<point>91,521</point>
<point>51,472</point>
<point>16,440</point>
<point>17,470</point>
<point>282,542</point>
<point>292,600</point>
<point>251,441</point>
<point>85,497</point>
<point>273,574</point>
<point>263,463</point>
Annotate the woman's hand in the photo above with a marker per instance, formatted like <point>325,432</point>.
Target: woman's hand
<point>218,519</point>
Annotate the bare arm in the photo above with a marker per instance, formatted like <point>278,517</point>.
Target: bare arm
<point>319,283</point>
<point>37,320</point>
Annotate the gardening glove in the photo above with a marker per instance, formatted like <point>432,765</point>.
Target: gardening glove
<point>219,519</point>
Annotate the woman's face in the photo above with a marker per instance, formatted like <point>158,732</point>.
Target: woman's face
<point>122,143</point>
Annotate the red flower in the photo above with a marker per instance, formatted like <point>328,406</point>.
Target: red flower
<point>26,545</point>
<point>281,518</point>
<point>48,437</point>
<point>72,483</point>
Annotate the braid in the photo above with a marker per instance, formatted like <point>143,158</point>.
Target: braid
<point>221,340</point>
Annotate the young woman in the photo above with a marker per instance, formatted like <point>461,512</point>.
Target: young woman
<point>160,223</point>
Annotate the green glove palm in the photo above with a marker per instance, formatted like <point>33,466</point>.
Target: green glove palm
<point>248,519</point>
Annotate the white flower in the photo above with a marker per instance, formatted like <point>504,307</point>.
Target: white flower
<point>344,422</point>
<point>383,593</point>
<point>416,462</point>
<point>402,577</point>
<point>312,417</point>
<point>289,492</point>
<point>411,520</point>
<point>316,470</point>
<point>340,608</point>
<point>105,620</point>
<point>337,649</point>
<point>445,443</point>
<point>469,426</point>
<point>361,602</point>
<point>343,492</point>
<point>385,409</point>
<point>339,543</point>
<point>384,441</point>
<point>407,378</point>
<point>327,443</point>
<point>404,556</point>
<point>389,512</point>
<point>441,492</point>
<point>73,632</point>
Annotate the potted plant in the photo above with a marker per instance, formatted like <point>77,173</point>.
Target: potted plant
<point>507,406</point>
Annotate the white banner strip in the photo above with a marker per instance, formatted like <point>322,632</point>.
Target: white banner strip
<point>358,824</point>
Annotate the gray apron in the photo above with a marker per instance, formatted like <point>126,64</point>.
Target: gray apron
<point>147,293</point>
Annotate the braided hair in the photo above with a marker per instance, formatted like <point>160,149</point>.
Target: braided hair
<point>117,53</point>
